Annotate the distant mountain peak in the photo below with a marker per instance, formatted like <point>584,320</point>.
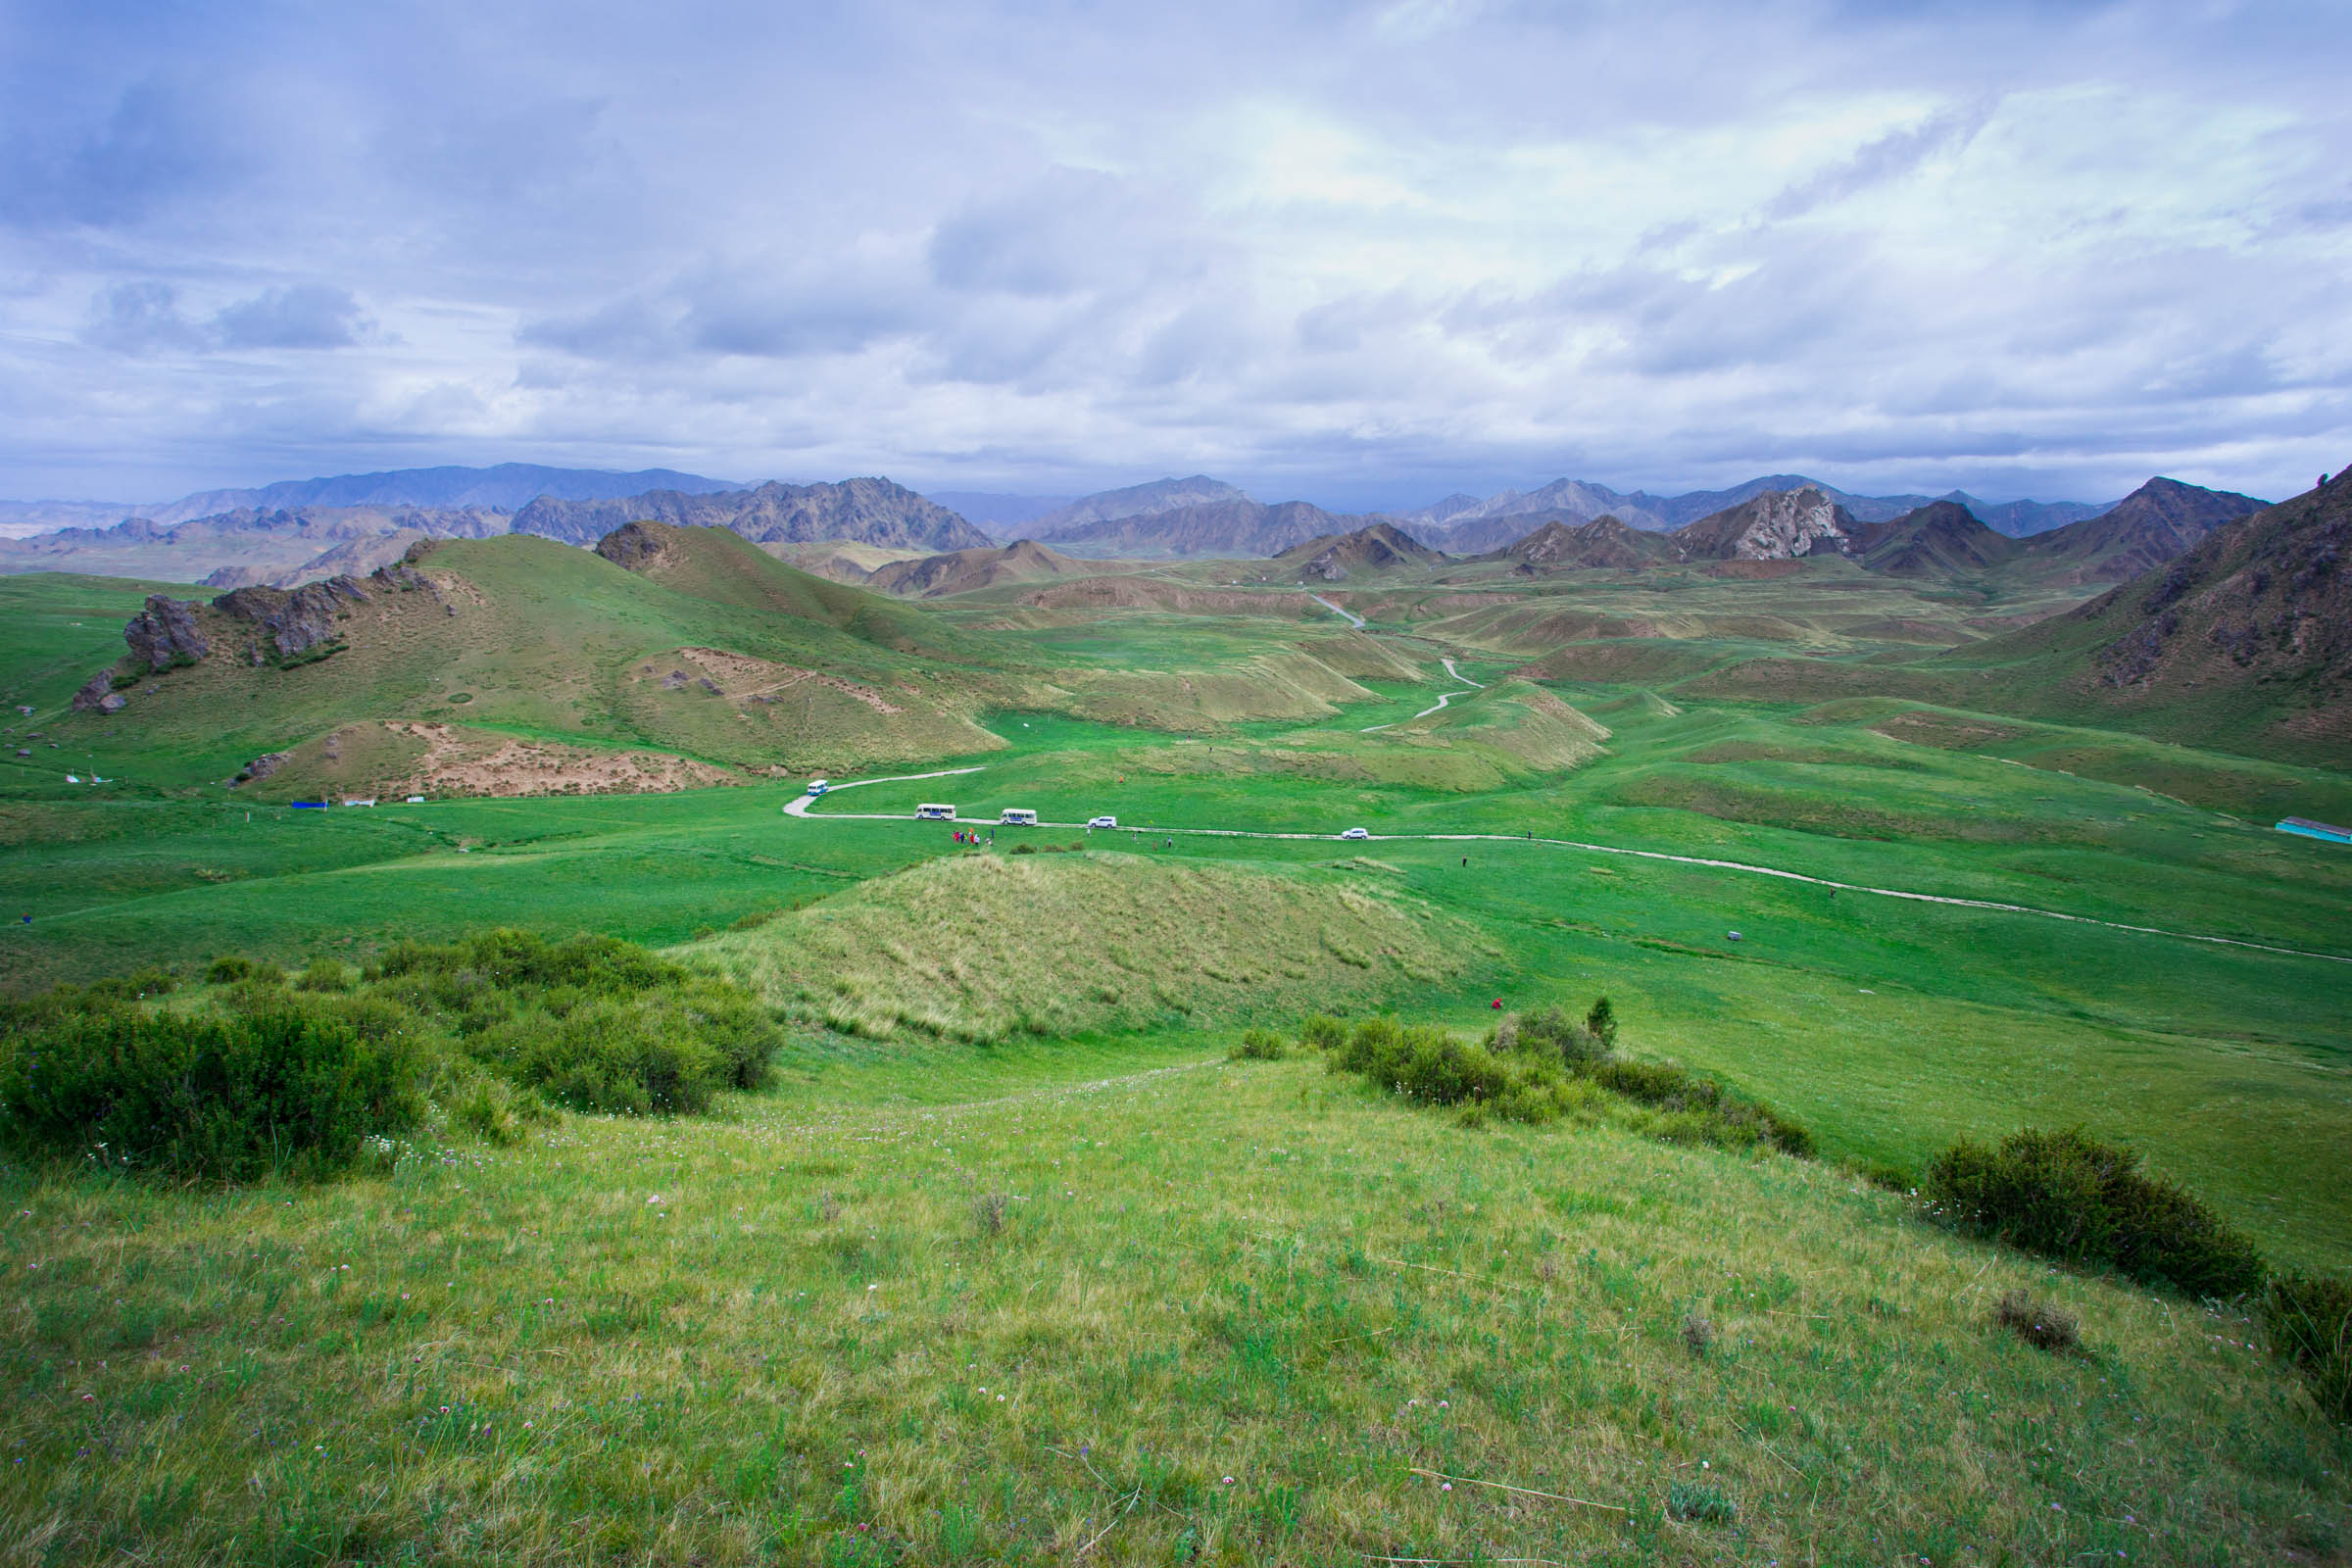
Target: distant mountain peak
<point>1135,501</point>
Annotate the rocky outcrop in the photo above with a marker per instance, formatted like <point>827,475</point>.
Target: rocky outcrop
<point>298,625</point>
<point>1777,526</point>
<point>631,545</point>
<point>264,765</point>
<point>164,635</point>
<point>99,695</point>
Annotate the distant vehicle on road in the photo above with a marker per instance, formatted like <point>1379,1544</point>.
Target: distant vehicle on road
<point>1357,833</point>
<point>1018,817</point>
<point>1103,821</point>
<point>818,786</point>
<point>935,811</point>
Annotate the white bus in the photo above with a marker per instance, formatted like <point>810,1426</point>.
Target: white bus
<point>1018,817</point>
<point>818,786</point>
<point>933,812</point>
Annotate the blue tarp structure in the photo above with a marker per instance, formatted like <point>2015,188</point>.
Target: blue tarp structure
<point>2309,829</point>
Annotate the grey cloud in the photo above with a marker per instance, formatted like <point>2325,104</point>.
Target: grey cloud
<point>300,316</point>
<point>140,318</point>
<point>1890,156</point>
<point>154,142</point>
<point>1072,230</point>
<point>865,237</point>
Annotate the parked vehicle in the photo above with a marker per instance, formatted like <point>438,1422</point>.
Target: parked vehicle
<point>1103,821</point>
<point>935,811</point>
<point>1357,833</point>
<point>818,786</point>
<point>1018,817</point>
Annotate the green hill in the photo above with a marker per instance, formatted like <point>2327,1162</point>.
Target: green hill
<point>737,661</point>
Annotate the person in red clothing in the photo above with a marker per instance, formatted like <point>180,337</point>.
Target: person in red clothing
<point>1498,1004</point>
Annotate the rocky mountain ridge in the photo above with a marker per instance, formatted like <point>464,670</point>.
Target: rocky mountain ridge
<point>870,511</point>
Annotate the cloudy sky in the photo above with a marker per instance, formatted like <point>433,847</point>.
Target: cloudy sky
<point>1363,254</point>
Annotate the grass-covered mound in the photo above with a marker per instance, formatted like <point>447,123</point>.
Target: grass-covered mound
<point>985,947</point>
<point>253,1075</point>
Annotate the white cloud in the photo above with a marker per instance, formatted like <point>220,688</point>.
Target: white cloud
<point>1405,245</point>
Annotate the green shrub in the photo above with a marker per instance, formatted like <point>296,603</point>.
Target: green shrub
<point>1322,1033</point>
<point>2309,1318</point>
<point>507,958</point>
<point>1554,1033</point>
<point>1257,1045</point>
<point>1543,1068</point>
<point>1422,1063</point>
<point>2066,1196</point>
<point>228,968</point>
<point>323,974</point>
<point>148,982</point>
<point>1880,1173</point>
<point>533,1008</point>
<point>607,1055</point>
<point>1601,1022</point>
<point>215,1099</point>
<point>1725,1116</point>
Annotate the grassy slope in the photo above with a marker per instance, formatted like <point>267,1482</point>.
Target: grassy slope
<point>1230,1312</point>
<point>550,642</point>
<point>688,1401</point>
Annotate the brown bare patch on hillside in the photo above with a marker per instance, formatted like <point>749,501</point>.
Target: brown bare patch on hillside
<point>459,761</point>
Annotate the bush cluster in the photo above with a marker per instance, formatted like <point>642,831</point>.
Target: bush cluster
<point>260,1077</point>
<point>593,1023</point>
<point>1257,1045</point>
<point>2068,1196</point>
<point>208,1098</point>
<point>1545,1066</point>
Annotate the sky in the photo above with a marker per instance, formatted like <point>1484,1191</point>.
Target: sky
<point>1361,254</point>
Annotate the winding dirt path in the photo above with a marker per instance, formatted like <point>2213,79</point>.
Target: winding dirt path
<point>800,808</point>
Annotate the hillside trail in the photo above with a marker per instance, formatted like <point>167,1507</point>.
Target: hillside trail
<point>1468,686</point>
<point>800,808</point>
<point>1353,620</point>
<point>801,803</point>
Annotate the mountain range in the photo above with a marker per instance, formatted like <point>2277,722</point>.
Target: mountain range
<point>503,487</point>
<point>1465,524</point>
<point>872,512</point>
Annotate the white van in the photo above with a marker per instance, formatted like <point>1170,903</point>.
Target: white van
<point>818,786</point>
<point>1103,821</point>
<point>1018,817</point>
<point>933,812</point>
